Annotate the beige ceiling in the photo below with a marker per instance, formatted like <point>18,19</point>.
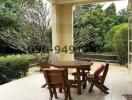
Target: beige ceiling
<point>79,1</point>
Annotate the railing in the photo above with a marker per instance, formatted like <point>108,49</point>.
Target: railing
<point>97,57</point>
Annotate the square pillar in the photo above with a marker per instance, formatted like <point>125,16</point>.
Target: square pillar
<point>130,37</point>
<point>62,29</point>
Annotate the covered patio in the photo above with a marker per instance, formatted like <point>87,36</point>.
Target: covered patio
<point>29,88</point>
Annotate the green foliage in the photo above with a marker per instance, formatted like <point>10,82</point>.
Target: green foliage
<point>48,36</point>
<point>7,23</point>
<point>11,8</point>
<point>12,67</point>
<point>91,23</point>
<point>117,40</point>
<point>111,10</point>
<point>9,12</point>
<point>122,17</point>
<point>24,25</point>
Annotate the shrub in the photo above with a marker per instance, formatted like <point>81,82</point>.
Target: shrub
<point>117,40</point>
<point>12,67</point>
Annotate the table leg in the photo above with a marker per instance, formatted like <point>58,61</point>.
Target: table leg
<point>67,73</point>
<point>78,81</point>
<point>83,74</point>
<point>84,79</point>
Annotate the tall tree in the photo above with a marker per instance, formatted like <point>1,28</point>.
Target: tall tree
<point>30,36</point>
<point>100,24</point>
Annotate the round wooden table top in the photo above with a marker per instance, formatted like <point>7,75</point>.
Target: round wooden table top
<point>71,64</point>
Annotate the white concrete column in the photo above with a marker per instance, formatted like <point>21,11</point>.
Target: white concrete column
<point>62,29</point>
<point>130,37</point>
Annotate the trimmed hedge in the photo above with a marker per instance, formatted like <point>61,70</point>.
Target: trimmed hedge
<point>12,67</point>
<point>117,39</point>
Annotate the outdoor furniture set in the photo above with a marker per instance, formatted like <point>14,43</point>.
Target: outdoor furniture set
<point>56,76</point>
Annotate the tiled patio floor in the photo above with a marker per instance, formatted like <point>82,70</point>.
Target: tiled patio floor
<point>29,88</point>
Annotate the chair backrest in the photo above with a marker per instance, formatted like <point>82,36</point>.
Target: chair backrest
<point>104,70</point>
<point>99,71</point>
<point>55,77</point>
<point>44,64</point>
<point>53,58</point>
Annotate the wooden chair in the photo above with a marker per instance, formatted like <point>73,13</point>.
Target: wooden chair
<point>51,58</point>
<point>97,79</point>
<point>44,65</point>
<point>56,78</point>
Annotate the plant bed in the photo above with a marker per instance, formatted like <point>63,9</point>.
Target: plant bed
<point>12,67</point>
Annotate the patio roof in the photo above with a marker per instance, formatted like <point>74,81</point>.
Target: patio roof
<point>78,1</point>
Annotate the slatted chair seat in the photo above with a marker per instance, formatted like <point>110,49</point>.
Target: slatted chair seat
<point>81,74</point>
<point>90,76</point>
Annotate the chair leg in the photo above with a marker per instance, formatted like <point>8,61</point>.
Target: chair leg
<point>100,86</point>
<point>103,90</point>
<point>105,87</point>
<point>51,93</point>
<point>60,89</point>
<point>43,86</point>
<point>65,93</point>
<point>91,87</point>
<point>74,80</point>
<point>55,93</point>
<point>69,93</point>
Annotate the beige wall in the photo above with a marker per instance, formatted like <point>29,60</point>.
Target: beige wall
<point>62,28</point>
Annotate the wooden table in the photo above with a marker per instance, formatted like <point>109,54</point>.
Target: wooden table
<point>74,64</point>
